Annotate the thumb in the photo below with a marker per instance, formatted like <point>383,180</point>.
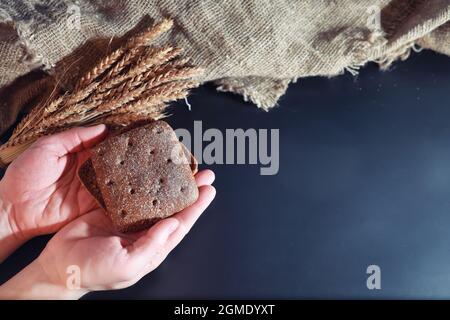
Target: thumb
<point>74,140</point>
<point>153,242</point>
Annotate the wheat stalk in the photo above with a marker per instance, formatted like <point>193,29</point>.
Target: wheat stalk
<point>130,85</point>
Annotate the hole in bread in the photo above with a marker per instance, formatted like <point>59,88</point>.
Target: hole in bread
<point>152,151</point>
<point>182,189</point>
<point>109,183</point>
<point>161,180</point>
<point>159,130</point>
<point>169,160</point>
<point>123,213</point>
<point>154,202</point>
<point>132,191</point>
<point>121,162</point>
<point>130,144</point>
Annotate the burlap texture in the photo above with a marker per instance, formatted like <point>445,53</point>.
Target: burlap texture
<point>250,47</point>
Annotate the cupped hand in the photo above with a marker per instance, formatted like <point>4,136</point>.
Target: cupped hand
<point>41,191</point>
<point>107,259</point>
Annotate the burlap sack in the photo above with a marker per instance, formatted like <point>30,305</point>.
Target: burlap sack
<point>251,47</point>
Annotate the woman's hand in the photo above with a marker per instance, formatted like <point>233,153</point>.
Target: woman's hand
<point>41,192</point>
<point>102,258</point>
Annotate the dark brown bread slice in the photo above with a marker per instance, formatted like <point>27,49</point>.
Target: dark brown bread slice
<point>143,175</point>
<point>88,178</point>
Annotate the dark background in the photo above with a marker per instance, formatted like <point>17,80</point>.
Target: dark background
<point>364,179</point>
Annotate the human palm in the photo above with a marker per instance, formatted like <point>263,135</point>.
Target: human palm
<point>41,186</point>
<point>108,259</point>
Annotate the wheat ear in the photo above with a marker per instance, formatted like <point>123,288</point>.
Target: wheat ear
<point>130,85</point>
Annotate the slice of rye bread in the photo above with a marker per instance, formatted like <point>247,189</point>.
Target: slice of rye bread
<point>141,176</point>
<point>88,178</point>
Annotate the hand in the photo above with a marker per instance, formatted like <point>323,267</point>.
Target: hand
<point>40,191</point>
<point>105,258</point>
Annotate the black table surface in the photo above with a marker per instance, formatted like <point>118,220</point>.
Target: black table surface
<point>364,179</point>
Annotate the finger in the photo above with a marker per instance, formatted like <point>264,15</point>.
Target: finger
<point>186,219</point>
<point>190,215</point>
<point>74,140</point>
<point>204,177</point>
<point>82,156</point>
<point>153,247</point>
<point>152,241</point>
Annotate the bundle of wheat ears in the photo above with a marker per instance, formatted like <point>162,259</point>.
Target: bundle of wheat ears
<point>131,84</point>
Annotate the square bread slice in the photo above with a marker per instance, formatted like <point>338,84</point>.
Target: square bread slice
<point>141,176</point>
